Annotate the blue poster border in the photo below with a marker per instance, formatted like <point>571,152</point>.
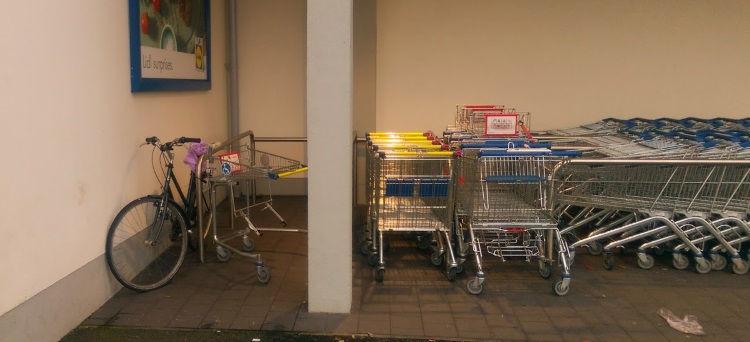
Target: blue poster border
<point>140,84</point>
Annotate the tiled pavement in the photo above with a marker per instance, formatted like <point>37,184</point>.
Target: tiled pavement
<point>416,300</point>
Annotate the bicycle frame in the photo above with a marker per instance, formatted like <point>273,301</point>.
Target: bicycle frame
<point>189,200</point>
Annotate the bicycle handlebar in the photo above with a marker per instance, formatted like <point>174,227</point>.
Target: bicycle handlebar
<point>168,146</point>
<point>189,140</point>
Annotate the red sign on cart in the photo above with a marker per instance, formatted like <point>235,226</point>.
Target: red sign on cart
<point>230,163</point>
<point>501,125</point>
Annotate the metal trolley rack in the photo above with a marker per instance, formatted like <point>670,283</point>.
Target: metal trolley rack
<point>236,162</point>
<point>502,199</point>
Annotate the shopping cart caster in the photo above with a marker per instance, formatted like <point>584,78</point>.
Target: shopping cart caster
<point>702,265</point>
<point>609,260</point>
<point>545,269</point>
<point>223,254</point>
<point>645,261</point>
<point>365,247</point>
<point>595,248</point>
<point>679,261</point>
<point>460,267</point>
<point>561,287</point>
<point>423,242</point>
<point>718,262</point>
<point>571,255</point>
<point>372,260</point>
<point>248,244</point>
<point>264,274</point>
<point>380,275</point>
<point>364,233</point>
<point>474,286</point>
<point>451,274</point>
<point>436,258</point>
<point>740,267</point>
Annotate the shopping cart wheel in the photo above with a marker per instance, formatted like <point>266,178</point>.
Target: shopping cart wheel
<point>423,241</point>
<point>460,267</point>
<point>451,274</point>
<point>192,238</point>
<point>248,244</point>
<point>372,260</point>
<point>595,248</point>
<point>609,261</point>
<point>742,269</point>
<point>702,266</point>
<point>680,261</point>
<point>560,289</point>
<point>648,264</point>
<point>474,286</point>
<point>436,258</point>
<point>718,262</point>
<point>365,246</point>
<point>364,234</point>
<point>264,274</point>
<point>380,275</point>
<point>222,254</point>
<point>545,269</point>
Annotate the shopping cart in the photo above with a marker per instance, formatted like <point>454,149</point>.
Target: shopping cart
<point>412,192</point>
<point>502,200</point>
<point>236,163</point>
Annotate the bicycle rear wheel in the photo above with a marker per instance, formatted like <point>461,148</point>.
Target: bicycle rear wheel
<point>146,247</point>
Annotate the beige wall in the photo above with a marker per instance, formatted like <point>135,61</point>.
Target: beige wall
<point>567,62</point>
<point>271,52</point>
<point>365,72</point>
<point>70,129</point>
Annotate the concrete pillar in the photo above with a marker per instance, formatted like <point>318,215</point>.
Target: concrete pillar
<point>329,134</point>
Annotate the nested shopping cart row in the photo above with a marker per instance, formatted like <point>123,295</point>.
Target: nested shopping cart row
<point>678,186</point>
<point>688,138</point>
<point>665,185</point>
<point>687,207</point>
<point>464,205</point>
<point>409,191</point>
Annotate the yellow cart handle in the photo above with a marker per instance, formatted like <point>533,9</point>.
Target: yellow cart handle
<point>287,173</point>
<point>384,154</point>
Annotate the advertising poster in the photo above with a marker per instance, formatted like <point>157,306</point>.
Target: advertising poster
<point>169,45</point>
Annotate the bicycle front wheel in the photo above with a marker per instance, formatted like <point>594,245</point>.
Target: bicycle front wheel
<point>146,245</point>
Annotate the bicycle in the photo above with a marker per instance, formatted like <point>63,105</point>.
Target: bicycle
<point>148,239</point>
